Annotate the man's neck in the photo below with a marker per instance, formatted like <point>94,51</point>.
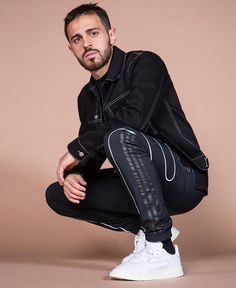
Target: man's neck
<point>101,72</point>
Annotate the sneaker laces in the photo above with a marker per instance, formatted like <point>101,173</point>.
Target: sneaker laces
<point>138,245</point>
<point>139,242</point>
<point>154,248</point>
<point>150,249</point>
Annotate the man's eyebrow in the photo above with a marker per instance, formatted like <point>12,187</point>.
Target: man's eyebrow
<point>88,30</point>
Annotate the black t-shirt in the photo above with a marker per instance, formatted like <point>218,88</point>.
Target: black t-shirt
<point>99,84</point>
<point>99,87</point>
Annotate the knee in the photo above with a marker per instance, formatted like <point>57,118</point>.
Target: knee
<point>52,195</point>
<point>58,202</point>
<point>119,136</point>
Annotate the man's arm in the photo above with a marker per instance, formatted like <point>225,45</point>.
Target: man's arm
<point>66,162</point>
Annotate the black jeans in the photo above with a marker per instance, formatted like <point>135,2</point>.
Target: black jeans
<point>148,184</point>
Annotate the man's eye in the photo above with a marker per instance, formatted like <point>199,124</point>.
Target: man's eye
<point>76,40</point>
<point>94,33</point>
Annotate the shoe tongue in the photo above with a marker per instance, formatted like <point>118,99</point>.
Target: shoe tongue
<point>140,234</point>
<point>139,241</point>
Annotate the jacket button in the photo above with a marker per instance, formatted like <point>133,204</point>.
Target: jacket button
<point>95,116</point>
<point>81,154</point>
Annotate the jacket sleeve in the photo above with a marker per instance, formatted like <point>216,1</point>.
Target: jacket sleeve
<point>149,83</point>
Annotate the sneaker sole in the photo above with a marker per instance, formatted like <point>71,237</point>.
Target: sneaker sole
<point>168,274</point>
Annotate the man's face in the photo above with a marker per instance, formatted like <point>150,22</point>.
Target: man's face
<point>90,42</point>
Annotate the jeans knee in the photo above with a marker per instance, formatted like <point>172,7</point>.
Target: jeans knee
<point>117,136</point>
<point>51,194</point>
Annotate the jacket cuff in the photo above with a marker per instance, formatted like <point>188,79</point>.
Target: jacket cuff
<point>77,150</point>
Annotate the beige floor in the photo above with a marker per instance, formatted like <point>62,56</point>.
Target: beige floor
<point>212,271</point>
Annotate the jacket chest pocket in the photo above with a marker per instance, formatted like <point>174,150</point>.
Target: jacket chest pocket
<point>117,103</point>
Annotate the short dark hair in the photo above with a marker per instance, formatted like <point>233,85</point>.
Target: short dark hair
<point>86,9</point>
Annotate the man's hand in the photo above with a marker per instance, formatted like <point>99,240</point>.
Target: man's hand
<point>74,188</point>
<point>66,162</point>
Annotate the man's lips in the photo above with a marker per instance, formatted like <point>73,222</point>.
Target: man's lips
<point>90,54</point>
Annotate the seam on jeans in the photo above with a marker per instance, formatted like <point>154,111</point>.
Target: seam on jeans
<point>109,146</point>
<point>172,158</point>
<point>165,162</point>
<point>112,227</point>
<point>149,146</point>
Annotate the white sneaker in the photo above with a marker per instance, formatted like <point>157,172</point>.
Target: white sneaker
<point>152,263</point>
<point>139,242</point>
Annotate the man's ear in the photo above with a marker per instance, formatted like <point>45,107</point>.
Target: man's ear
<point>112,35</point>
<point>70,48</point>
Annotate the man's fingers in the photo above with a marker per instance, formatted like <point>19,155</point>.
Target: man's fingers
<point>73,197</point>
<point>60,174</point>
<point>73,191</point>
<point>75,184</point>
<point>83,182</point>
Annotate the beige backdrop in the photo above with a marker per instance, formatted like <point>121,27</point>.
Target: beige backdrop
<point>40,81</point>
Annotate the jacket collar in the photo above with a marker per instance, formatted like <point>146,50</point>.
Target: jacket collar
<point>115,68</point>
<point>117,63</point>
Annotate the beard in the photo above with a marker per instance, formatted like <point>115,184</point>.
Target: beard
<point>92,64</point>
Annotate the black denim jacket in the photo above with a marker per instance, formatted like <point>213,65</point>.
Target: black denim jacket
<point>138,93</point>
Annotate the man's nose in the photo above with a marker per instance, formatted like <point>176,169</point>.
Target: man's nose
<point>87,42</point>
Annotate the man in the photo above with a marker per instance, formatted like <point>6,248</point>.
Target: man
<point>130,114</point>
